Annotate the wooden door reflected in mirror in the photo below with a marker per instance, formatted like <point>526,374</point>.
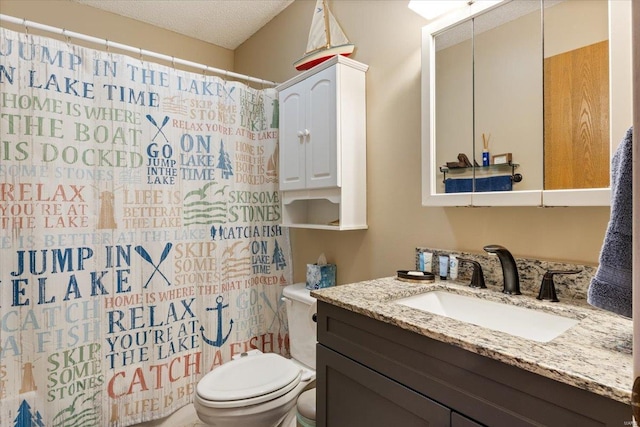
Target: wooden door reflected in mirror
<point>576,96</point>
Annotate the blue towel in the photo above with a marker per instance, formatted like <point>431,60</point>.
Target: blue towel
<point>611,287</point>
<point>465,185</point>
<point>458,185</point>
<point>494,183</point>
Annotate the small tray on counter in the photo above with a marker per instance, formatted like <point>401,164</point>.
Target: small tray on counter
<point>416,276</point>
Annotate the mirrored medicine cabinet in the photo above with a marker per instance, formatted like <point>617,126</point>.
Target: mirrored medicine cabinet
<point>541,89</point>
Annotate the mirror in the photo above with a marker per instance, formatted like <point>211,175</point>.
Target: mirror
<point>518,108</point>
<point>454,105</point>
<point>488,80</point>
<point>576,95</point>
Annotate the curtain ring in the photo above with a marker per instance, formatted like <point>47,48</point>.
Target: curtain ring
<point>106,44</point>
<point>26,27</point>
<point>173,62</point>
<point>64,34</point>
<point>141,57</point>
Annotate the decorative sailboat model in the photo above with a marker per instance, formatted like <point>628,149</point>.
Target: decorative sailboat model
<point>326,39</point>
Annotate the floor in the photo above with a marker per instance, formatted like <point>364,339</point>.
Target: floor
<point>187,417</point>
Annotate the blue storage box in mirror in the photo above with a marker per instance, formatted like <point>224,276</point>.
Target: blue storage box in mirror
<point>465,185</point>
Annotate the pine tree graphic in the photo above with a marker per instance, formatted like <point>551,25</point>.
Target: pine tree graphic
<point>224,162</point>
<point>39,421</point>
<point>278,258</point>
<point>26,418</point>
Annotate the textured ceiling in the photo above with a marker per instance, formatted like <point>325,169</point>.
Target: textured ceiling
<point>226,23</point>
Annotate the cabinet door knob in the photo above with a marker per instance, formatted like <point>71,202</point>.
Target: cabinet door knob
<point>306,132</point>
<point>300,134</point>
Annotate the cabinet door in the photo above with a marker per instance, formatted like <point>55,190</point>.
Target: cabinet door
<point>350,394</point>
<point>321,121</point>
<point>292,138</point>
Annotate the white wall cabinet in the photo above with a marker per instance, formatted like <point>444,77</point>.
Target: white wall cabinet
<point>323,147</point>
<point>308,133</point>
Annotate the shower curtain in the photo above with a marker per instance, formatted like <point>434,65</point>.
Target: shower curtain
<point>140,245</point>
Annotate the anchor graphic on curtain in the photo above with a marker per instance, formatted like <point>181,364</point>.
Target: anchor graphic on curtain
<point>219,339</point>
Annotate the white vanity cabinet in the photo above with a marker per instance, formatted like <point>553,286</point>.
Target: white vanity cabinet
<point>322,160</point>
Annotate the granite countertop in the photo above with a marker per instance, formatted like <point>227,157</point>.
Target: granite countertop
<point>594,355</point>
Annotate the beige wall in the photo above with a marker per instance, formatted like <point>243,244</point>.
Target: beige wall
<point>97,23</point>
<point>572,24</point>
<point>387,38</point>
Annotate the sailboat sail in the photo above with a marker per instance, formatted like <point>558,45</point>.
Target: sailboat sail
<point>318,33</point>
<point>326,38</point>
<point>337,35</point>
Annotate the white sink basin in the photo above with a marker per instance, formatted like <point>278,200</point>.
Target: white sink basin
<point>519,321</point>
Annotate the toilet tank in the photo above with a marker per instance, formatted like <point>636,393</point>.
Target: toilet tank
<point>301,308</point>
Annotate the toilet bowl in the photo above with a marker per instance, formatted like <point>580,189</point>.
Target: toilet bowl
<point>306,409</point>
<point>261,389</point>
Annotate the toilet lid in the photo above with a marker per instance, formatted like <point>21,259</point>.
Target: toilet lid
<point>249,377</point>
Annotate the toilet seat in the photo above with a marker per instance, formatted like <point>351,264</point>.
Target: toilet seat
<point>248,381</point>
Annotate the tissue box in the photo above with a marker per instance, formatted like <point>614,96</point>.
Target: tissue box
<point>321,276</point>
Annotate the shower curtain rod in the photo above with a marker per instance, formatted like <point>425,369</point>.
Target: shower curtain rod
<point>142,52</point>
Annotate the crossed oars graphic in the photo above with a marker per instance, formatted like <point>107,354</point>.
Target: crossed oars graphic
<point>276,311</point>
<point>145,255</point>
<point>153,122</point>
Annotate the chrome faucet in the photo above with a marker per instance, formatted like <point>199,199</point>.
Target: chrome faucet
<point>509,269</point>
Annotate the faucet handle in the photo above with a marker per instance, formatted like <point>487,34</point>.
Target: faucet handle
<point>477,278</point>
<point>548,287</point>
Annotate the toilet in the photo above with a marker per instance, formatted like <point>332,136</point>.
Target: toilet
<point>261,389</point>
